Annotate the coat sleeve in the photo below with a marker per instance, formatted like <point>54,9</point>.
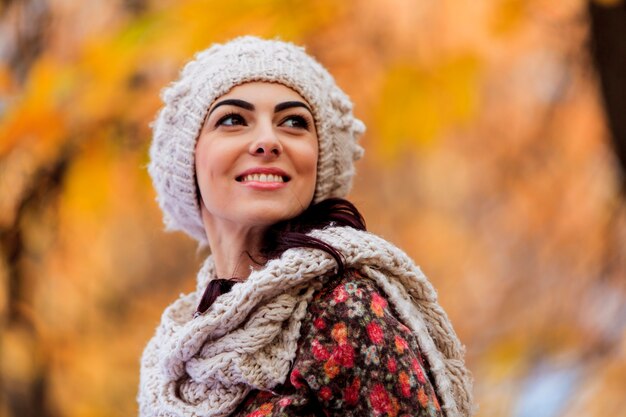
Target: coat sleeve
<point>357,359</point>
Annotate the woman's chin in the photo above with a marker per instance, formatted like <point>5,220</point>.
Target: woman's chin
<point>267,213</point>
<point>271,217</point>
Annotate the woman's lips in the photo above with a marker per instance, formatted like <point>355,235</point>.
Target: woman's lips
<point>263,178</point>
<point>258,185</point>
<point>263,174</point>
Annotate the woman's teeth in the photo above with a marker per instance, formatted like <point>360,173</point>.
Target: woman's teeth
<point>263,178</point>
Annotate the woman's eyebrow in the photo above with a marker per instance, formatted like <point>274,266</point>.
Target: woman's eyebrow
<point>233,102</point>
<point>290,104</point>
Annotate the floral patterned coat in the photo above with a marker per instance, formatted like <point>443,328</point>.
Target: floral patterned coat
<point>354,358</point>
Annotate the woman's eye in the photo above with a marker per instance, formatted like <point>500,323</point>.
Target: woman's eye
<point>296,122</point>
<point>231,120</point>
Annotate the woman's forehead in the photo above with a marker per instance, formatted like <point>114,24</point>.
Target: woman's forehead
<point>261,90</point>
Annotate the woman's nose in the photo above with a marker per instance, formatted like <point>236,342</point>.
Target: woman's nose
<point>266,143</point>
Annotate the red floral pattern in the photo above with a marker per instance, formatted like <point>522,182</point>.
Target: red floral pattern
<point>354,358</point>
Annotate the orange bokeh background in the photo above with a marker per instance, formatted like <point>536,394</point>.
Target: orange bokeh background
<point>488,160</point>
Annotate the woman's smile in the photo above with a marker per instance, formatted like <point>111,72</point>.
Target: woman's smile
<point>263,178</point>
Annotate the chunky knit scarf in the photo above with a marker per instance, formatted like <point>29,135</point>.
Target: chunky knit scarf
<point>205,366</point>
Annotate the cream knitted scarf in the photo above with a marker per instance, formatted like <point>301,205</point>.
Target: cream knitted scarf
<point>205,366</point>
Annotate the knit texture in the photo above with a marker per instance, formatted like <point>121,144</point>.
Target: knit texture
<point>248,338</point>
<point>212,74</point>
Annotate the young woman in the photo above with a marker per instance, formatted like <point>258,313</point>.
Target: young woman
<point>298,311</point>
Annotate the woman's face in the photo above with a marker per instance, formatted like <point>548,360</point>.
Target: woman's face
<point>256,156</point>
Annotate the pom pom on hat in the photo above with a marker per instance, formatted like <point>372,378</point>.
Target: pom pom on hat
<point>211,74</point>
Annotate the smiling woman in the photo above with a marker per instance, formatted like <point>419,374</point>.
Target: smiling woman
<point>298,311</point>
<point>256,163</point>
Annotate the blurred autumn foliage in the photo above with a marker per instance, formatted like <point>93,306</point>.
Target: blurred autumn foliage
<point>489,160</point>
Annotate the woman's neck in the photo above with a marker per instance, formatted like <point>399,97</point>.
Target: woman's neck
<point>235,248</point>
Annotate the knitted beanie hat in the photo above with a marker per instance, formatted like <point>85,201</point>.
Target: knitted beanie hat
<point>211,74</point>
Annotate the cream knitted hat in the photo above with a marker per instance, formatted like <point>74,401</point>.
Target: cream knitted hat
<point>212,74</point>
